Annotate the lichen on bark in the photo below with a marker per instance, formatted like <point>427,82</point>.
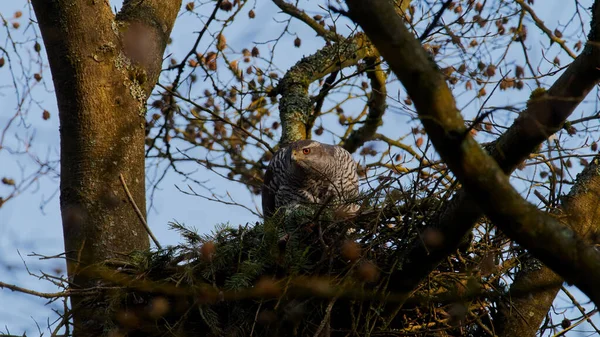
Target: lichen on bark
<point>101,93</point>
<point>295,105</point>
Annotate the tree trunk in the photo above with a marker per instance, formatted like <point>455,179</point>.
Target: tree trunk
<point>104,68</point>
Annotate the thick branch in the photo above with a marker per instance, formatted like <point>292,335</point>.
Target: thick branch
<point>544,116</point>
<point>295,105</point>
<point>556,245</point>
<point>580,210</point>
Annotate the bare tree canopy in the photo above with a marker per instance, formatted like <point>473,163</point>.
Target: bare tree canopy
<point>474,125</point>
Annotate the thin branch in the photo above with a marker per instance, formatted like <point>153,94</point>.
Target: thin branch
<point>586,317</point>
<point>540,24</point>
<point>435,21</point>
<point>325,320</point>
<point>181,66</point>
<point>139,213</point>
<point>581,309</point>
<point>377,106</point>
<point>302,16</point>
<point>217,116</point>
<point>66,293</point>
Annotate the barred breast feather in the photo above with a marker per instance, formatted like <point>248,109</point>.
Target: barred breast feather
<point>307,171</point>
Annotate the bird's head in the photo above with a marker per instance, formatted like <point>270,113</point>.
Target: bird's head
<point>309,154</point>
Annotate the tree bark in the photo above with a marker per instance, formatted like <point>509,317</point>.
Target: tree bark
<point>104,68</point>
<point>295,105</point>
<point>523,315</point>
<point>544,115</point>
<point>556,245</point>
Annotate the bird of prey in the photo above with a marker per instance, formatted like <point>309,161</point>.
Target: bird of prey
<point>307,171</point>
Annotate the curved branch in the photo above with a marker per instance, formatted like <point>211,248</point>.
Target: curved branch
<point>580,210</point>
<point>377,105</point>
<point>295,105</point>
<point>542,118</point>
<point>558,246</point>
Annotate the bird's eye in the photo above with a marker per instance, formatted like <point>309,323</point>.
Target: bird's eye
<point>306,150</point>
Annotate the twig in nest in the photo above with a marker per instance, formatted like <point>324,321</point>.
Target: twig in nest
<point>138,212</point>
<point>325,321</point>
<point>52,296</point>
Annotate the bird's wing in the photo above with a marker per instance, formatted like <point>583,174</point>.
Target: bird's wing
<point>268,195</point>
<point>271,182</point>
<point>349,174</point>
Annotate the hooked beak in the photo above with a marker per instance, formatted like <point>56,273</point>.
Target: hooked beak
<point>297,158</point>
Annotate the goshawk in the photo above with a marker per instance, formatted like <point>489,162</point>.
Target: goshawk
<point>307,171</point>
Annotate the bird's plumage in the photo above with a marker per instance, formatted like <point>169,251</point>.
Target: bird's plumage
<point>307,171</point>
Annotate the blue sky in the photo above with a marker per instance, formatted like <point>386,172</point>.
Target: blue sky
<point>26,227</point>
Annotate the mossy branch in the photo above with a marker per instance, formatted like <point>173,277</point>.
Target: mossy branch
<point>554,244</point>
<point>542,118</point>
<point>295,105</point>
